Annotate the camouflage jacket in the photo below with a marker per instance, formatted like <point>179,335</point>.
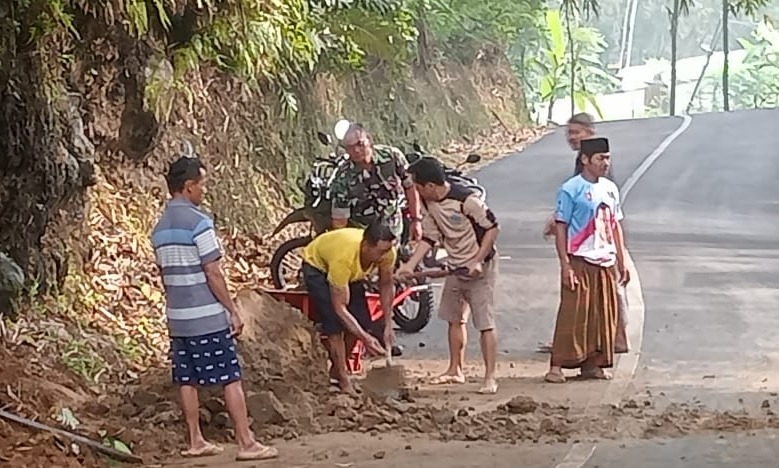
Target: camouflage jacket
<point>361,195</point>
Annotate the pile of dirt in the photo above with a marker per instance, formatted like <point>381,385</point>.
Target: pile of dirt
<point>285,380</point>
<point>38,392</point>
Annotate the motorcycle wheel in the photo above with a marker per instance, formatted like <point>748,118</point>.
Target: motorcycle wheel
<point>408,323</point>
<point>277,262</point>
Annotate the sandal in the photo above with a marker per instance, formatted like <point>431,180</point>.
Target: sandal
<point>447,379</point>
<point>595,374</point>
<point>555,377</point>
<point>258,452</point>
<point>544,347</point>
<point>208,450</point>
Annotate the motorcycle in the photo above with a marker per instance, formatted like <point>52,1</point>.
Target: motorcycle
<point>316,212</point>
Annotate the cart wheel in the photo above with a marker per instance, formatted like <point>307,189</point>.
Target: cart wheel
<point>282,257</point>
<point>415,312</point>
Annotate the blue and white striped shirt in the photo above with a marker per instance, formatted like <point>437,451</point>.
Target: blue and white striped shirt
<point>184,240</point>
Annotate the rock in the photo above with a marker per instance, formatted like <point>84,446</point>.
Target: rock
<point>765,404</point>
<point>380,455</point>
<point>265,409</point>
<point>214,405</point>
<point>221,420</point>
<point>631,404</point>
<point>143,398</point>
<point>205,416</point>
<point>11,283</point>
<point>521,405</point>
<point>444,416</point>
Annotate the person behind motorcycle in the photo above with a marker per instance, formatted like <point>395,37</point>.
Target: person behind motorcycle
<point>373,184</point>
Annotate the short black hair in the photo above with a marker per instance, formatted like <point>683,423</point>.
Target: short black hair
<point>182,170</point>
<point>378,230</point>
<point>428,170</point>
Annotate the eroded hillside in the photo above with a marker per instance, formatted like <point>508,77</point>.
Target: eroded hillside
<point>93,112</point>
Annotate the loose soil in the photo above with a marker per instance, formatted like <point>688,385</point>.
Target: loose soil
<point>289,400</point>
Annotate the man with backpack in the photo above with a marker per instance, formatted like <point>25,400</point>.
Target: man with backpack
<point>458,219</point>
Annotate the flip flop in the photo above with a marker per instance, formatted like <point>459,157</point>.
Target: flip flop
<point>595,375</point>
<point>489,389</point>
<point>447,379</point>
<point>544,347</point>
<point>208,450</point>
<point>553,377</point>
<point>264,453</point>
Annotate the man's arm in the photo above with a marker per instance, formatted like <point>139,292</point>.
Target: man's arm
<point>338,277</point>
<point>619,231</point>
<point>562,216</point>
<point>561,243</point>
<point>408,184</point>
<point>475,208</point>
<point>339,193</point>
<point>430,237</point>
<point>210,257</point>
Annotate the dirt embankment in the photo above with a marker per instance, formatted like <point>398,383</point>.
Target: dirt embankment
<point>83,146</point>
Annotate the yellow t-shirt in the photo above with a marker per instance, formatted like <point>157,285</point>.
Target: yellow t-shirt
<point>337,253</point>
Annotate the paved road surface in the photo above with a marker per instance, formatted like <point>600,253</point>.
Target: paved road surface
<point>702,229</point>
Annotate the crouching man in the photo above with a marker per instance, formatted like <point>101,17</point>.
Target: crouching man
<point>335,265</point>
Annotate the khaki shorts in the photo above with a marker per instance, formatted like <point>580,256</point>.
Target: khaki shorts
<point>461,297</point>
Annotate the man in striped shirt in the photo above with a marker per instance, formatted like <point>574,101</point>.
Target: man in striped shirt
<point>202,318</point>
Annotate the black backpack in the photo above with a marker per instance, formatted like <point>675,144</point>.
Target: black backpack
<point>461,193</point>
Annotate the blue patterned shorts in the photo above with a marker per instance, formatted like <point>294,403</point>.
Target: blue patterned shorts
<point>204,360</point>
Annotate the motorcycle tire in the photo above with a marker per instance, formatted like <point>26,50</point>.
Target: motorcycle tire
<point>279,282</point>
<point>426,301</point>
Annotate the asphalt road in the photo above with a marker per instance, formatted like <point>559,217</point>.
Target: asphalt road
<point>702,230</point>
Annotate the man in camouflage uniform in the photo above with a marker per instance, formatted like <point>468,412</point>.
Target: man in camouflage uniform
<point>373,184</point>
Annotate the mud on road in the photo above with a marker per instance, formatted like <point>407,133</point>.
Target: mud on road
<point>289,402</point>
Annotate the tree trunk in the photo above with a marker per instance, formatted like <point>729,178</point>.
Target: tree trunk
<point>705,67</point>
<point>569,31</point>
<point>725,51</point>
<point>674,30</point>
<point>631,33</point>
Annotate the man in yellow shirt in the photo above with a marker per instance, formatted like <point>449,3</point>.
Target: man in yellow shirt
<point>334,266</point>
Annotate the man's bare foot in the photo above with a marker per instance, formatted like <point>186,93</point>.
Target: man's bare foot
<point>490,387</point>
<point>448,378</point>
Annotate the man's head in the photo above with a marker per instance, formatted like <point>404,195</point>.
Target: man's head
<point>358,144</point>
<point>186,177</point>
<point>579,127</point>
<point>377,240</point>
<point>595,156</point>
<point>429,177</point>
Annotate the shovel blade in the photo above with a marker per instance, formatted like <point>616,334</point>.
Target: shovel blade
<point>385,381</point>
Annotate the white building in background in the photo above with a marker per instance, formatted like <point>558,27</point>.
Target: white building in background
<point>637,88</point>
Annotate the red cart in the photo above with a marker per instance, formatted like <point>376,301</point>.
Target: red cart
<point>301,301</point>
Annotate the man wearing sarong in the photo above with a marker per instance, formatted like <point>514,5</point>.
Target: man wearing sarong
<point>579,127</point>
<point>590,247</point>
